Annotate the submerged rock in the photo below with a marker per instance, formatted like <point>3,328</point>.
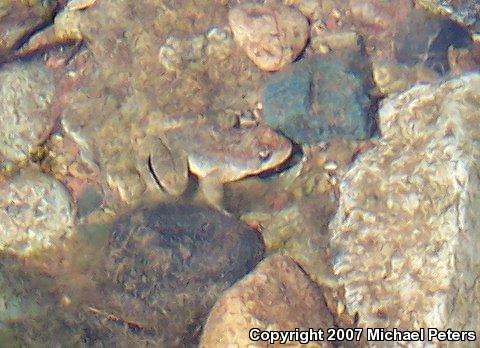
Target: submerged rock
<point>392,77</point>
<point>464,12</point>
<point>318,99</point>
<point>36,211</point>
<point>464,59</point>
<point>406,230</point>
<point>176,260</point>
<point>276,296</point>
<point>26,93</point>
<point>272,36</point>
<point>18,19</point>
<point>426,40</point>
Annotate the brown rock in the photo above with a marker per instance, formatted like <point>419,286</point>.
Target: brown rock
<point>462,60</point>
<point>276,296</point>
<point>272,36</point>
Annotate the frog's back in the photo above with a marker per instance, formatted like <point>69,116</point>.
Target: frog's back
<point>232,152</point>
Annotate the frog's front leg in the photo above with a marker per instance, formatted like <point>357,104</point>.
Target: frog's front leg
<point>211,187</point>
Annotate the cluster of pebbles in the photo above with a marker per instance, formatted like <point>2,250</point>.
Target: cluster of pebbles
<point>400,250</point>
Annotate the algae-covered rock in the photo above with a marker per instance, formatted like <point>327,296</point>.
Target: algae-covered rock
<point>318,99</point>
<point>176,260</point>
<point>406,230</point>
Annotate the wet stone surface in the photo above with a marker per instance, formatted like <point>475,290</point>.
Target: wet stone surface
<point>318,99</point>
<point>271,35</point>
<point>127,71</point>
<point>26,93</point>
<point>36,211</point>
<point>18,19</point>
<point>176,260</point>
<point>408,207</point>
<point>426,40</point>
<point>278,280</point>
<point>465,12</point>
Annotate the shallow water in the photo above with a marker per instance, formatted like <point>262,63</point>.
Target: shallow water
<point>134,70</point>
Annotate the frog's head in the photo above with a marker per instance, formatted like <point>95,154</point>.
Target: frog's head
<point>267,148</point>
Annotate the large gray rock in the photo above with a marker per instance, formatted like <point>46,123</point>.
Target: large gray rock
<point>173,262</point>
<point>407,226</point>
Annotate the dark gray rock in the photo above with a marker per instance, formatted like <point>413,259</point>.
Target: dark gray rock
<point>176,260</point>
<point>318,99</point>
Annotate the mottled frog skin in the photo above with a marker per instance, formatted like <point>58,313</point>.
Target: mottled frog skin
<point>215,155</point>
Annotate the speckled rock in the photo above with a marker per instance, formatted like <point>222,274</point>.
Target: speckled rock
<point>26,93</point>
<point>36,211</point>
<point>272,36</point>
<point>176,260</point>
<point>406,230</point>
<point>277,295</point>
<point>318,99</point>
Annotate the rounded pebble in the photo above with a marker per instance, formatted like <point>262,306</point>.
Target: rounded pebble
<point>26,92</point>
<point>276,294</point>
<point>36,211</point>
<point>272,36</point>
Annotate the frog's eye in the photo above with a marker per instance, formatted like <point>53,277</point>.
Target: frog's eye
<point>264,155</point>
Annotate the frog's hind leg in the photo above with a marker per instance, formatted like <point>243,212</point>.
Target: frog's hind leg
<point>163,167</point>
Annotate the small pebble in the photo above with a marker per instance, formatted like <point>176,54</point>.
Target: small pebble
<point>330,166</point>
<point>272,36</point>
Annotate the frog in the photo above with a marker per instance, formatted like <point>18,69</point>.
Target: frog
<point>215,155</point>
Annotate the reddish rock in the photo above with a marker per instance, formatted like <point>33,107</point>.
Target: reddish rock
<point>272,36</point>
<point>276,296</point>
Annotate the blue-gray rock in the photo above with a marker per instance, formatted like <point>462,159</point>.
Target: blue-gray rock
<point>317,99</point>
